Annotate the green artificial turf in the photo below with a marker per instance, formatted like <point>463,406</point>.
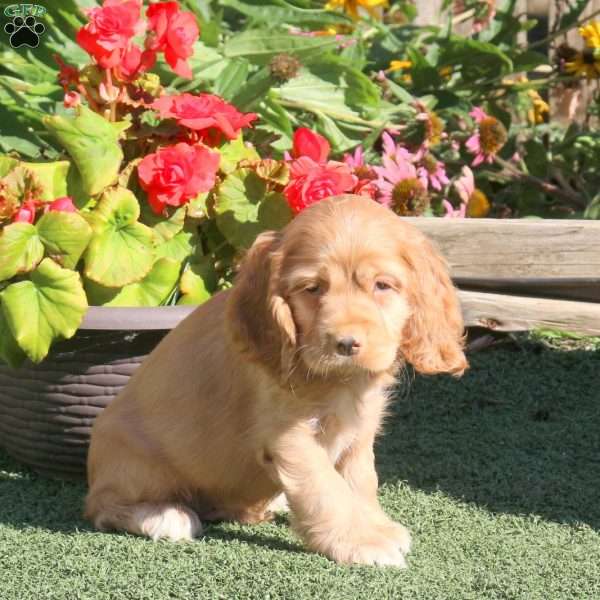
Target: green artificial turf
<point>497,475</point>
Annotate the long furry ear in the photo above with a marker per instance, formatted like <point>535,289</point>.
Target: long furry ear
<point>259,318</point>
<point>433,338</point>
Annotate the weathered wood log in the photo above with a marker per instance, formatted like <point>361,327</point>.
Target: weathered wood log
<point>517,248</point>
<point>502,312</point>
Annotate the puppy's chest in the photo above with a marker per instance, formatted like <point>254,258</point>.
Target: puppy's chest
<point>338,425</point>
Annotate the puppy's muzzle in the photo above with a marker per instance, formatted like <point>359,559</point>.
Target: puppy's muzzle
<point>346,345</point>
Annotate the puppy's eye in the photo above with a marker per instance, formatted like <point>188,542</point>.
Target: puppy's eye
<point>313,288</point>
<point>382,286</point>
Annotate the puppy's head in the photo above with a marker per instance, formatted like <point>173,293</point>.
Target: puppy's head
<point>347,286</point>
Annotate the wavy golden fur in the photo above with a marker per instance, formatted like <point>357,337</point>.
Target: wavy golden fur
<point>278,386</point>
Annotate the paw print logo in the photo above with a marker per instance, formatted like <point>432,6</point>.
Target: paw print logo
<point>24,32</point>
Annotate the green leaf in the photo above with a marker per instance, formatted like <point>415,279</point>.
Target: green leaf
<point>283,12</point>
<point>121,250</point>
<point>7,164</point>
<point>93,143</point>
<point>424,75</point>
<point>244,208</point>
<point>65,236</point>
<point>52,176</point>
<point>536,158</point>
<point>48,307</point>
<point>152,290</point>
<point>20,249</point>
<point>476,60</point>
<point>233,152</point>
<point>179,247</point>
<point>231,79</point>
<point>164,227</point>
<point>529,60</point>
<point>198,282</point>
<point>570,17</point>
<point>593,208</point>
<point>10,352</point>
<point>259,46</point>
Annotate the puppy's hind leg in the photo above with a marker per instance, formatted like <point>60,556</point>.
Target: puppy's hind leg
<point>163,520</point>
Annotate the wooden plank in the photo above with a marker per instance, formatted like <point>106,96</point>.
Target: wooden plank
<point>587,290</point>
<point>516,248</point>
<point>515,313</point>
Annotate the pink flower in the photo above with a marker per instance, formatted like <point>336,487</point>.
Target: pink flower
<point>206,113</point>
<point>72,100</point>
<point>64,204</point>
<point>394,172</point>
<point>311,181</point>
<point>355,160</point>
<point>173,32</point>
<point>435,172</point>
<point>454,213</point>
<point>489,138</point>
<point>175,174</point>
<point>26,213</point>
<point>309,143</point>
<point>465,184</point>
<point>110,30</point>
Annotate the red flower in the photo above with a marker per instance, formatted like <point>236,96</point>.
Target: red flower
<point>64,204</point>
<point>205,113</point>
<point>176,174</point>
<point>308,143</point>
<point>67,75</point>
<point>366,187</point>
<point>110,30</point>
<point>26,213</point>
<point>135,62</point>
<point>174,33</point>
<point>311,181</point>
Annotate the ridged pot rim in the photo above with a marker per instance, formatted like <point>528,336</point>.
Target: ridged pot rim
<point>137,318</point>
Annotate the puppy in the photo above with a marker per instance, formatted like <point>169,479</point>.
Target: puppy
<point>278,385</point>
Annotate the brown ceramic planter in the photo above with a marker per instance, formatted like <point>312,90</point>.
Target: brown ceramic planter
<point>47,410</point>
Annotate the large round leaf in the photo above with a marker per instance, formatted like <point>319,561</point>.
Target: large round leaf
<point>10,352</point>
<point>65,236</point>
<point>245,208</point>
<point>47,307</point>
<point>20,249</point>
<point>198,283</point>
<point>93,143</point>
<point>52,176</point>
<point>121,250</point>
<point>153,290</point>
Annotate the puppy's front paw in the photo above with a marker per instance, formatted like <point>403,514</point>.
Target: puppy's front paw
<point>175,523</point>
<point>375,549</point>
<point>399,534</point>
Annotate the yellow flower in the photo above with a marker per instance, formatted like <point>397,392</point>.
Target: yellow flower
<point>352,7</point>
<point>446,71</point>
<point>539,108</point>
<point>584,64</point>
<point>591,34</point>
<point>399,65</point>
<point>479,205</point>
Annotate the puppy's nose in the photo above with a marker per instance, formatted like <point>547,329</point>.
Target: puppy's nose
<point>347,346</point>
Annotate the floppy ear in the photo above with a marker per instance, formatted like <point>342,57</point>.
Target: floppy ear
<point>433,338</point>
<point>259,319</point>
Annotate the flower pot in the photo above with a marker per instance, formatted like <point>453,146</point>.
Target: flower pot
<point>47,410</point>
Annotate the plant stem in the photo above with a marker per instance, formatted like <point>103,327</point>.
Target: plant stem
<point>545,186</point>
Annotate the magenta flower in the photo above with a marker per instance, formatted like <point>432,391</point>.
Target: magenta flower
<point>434,171</point>
<point>489,138</point>
<point>355,160</point>
<point>465,184</point>
<point>454,213</point>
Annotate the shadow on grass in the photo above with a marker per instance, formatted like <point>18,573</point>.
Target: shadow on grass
<point>519,434</point>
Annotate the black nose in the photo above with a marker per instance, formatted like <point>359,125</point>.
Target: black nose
<point>347,346</point>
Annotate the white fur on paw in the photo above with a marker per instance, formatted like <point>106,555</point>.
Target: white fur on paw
<point>400,535</point>
<point>279,504</point>
<point>170,522</point>
<point>383,553</point>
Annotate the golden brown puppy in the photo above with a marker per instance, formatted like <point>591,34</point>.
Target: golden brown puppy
<point>279,385</point>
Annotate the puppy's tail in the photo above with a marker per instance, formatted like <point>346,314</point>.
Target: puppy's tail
<point>155,520</point>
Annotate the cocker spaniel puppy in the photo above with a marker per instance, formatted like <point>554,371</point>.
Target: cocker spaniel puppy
<point>278,385</point>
